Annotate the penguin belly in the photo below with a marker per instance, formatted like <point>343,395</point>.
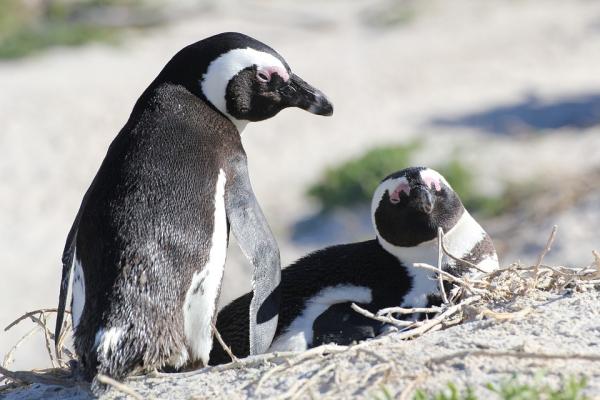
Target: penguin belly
<point>201,299</point>
<point>298,336</point>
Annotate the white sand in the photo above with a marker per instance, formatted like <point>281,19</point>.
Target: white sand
<point>554,327</point>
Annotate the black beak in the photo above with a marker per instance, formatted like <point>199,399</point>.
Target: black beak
<point>298,93</point>
<point>422,200</point>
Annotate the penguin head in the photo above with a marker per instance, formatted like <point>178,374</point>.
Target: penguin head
<point>244,79</point>
<point>408,207</point>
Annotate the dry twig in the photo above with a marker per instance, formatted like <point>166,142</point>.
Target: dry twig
<point>29,314</point>
<point>503,316</point>
<point>440,260</point>
<point>48,337</point>
<point>44,377</point>
<point>543,254</point>
<point>414,310</point>
<point>412,385</point>
<point>451,278</point>
<point>223,344</point>
<point>388,320</point>
<point>300,357</point>
<point>296,390</point>
<point>438,320</point>
<point>9,358</point>
<point>121,387</point>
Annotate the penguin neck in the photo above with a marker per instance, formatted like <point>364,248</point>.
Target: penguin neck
<point>239,124</point>
<point>459,241</point>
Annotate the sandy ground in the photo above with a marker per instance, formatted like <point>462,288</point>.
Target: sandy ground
<point>473,354</point>
<point>454,62</point>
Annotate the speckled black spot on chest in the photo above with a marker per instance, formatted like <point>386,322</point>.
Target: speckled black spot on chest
<point>483,249</point>
<point>199,287</point>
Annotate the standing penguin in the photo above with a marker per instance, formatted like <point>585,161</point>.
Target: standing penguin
<point>318,290</point>
<point>148,244</point>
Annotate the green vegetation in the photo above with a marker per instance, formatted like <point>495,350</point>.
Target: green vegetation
<point>353,182</point>
<point>452,393</point>
<point>392,14</point>
<point>384,392</point>
<point>28,27</point>
<point>513,390</point>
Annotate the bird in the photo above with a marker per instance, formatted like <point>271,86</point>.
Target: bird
<point>147,248</point>
<point>407,209</point>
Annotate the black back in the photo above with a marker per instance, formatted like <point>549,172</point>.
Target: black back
<point>141,230</point>
<point>145,224</point>
<point>364,264</point>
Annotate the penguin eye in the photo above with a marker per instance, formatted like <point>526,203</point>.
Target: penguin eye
<point>262,77</point>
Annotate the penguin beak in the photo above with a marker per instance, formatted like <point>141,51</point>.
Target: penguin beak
<point>422,200</point>
<point>298,93</point>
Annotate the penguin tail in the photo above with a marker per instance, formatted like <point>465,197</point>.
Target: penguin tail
<point>123,351</point>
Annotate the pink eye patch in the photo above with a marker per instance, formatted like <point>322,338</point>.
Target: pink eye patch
<point>402,187</point>
<point>431,179</point>
<point>269,71</point>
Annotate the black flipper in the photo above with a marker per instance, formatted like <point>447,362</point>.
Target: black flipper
<point>67,267</point>
<point>342,325</point>
<point>256,240</point>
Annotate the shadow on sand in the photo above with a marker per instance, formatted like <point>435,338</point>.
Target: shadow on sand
<point>531,114</point>
<point>334,227</point>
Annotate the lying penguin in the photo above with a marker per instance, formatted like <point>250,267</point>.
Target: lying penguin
<point>148,244</point>
<point>318,290</point>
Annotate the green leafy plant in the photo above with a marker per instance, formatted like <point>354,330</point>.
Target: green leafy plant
<point>26,29</point>
<point>392,14</point>
<point>385,394</point>
<point>512,389</point>
<point>451,393</point>
<point>352,182</point>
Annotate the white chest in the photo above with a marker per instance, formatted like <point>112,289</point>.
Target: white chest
<point>201,298</point>
<point>298,336</point>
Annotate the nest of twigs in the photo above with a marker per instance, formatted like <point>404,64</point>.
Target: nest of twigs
<point>475,295</point>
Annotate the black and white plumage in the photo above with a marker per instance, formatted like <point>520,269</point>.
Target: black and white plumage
<point>318,290</point>
<point>148,244</point>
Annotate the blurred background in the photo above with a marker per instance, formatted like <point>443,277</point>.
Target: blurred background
<point>501,96</point>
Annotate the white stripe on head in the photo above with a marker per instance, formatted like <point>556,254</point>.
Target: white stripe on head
<point>221,70</point>
<point>433,179</point>
<point>393,187</point>
<point>298,335</point>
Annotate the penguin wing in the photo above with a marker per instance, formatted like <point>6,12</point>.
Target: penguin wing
<point>232,325</point>
<point>67,267</point>
<point>256,240</point>
<point>342,325</point>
